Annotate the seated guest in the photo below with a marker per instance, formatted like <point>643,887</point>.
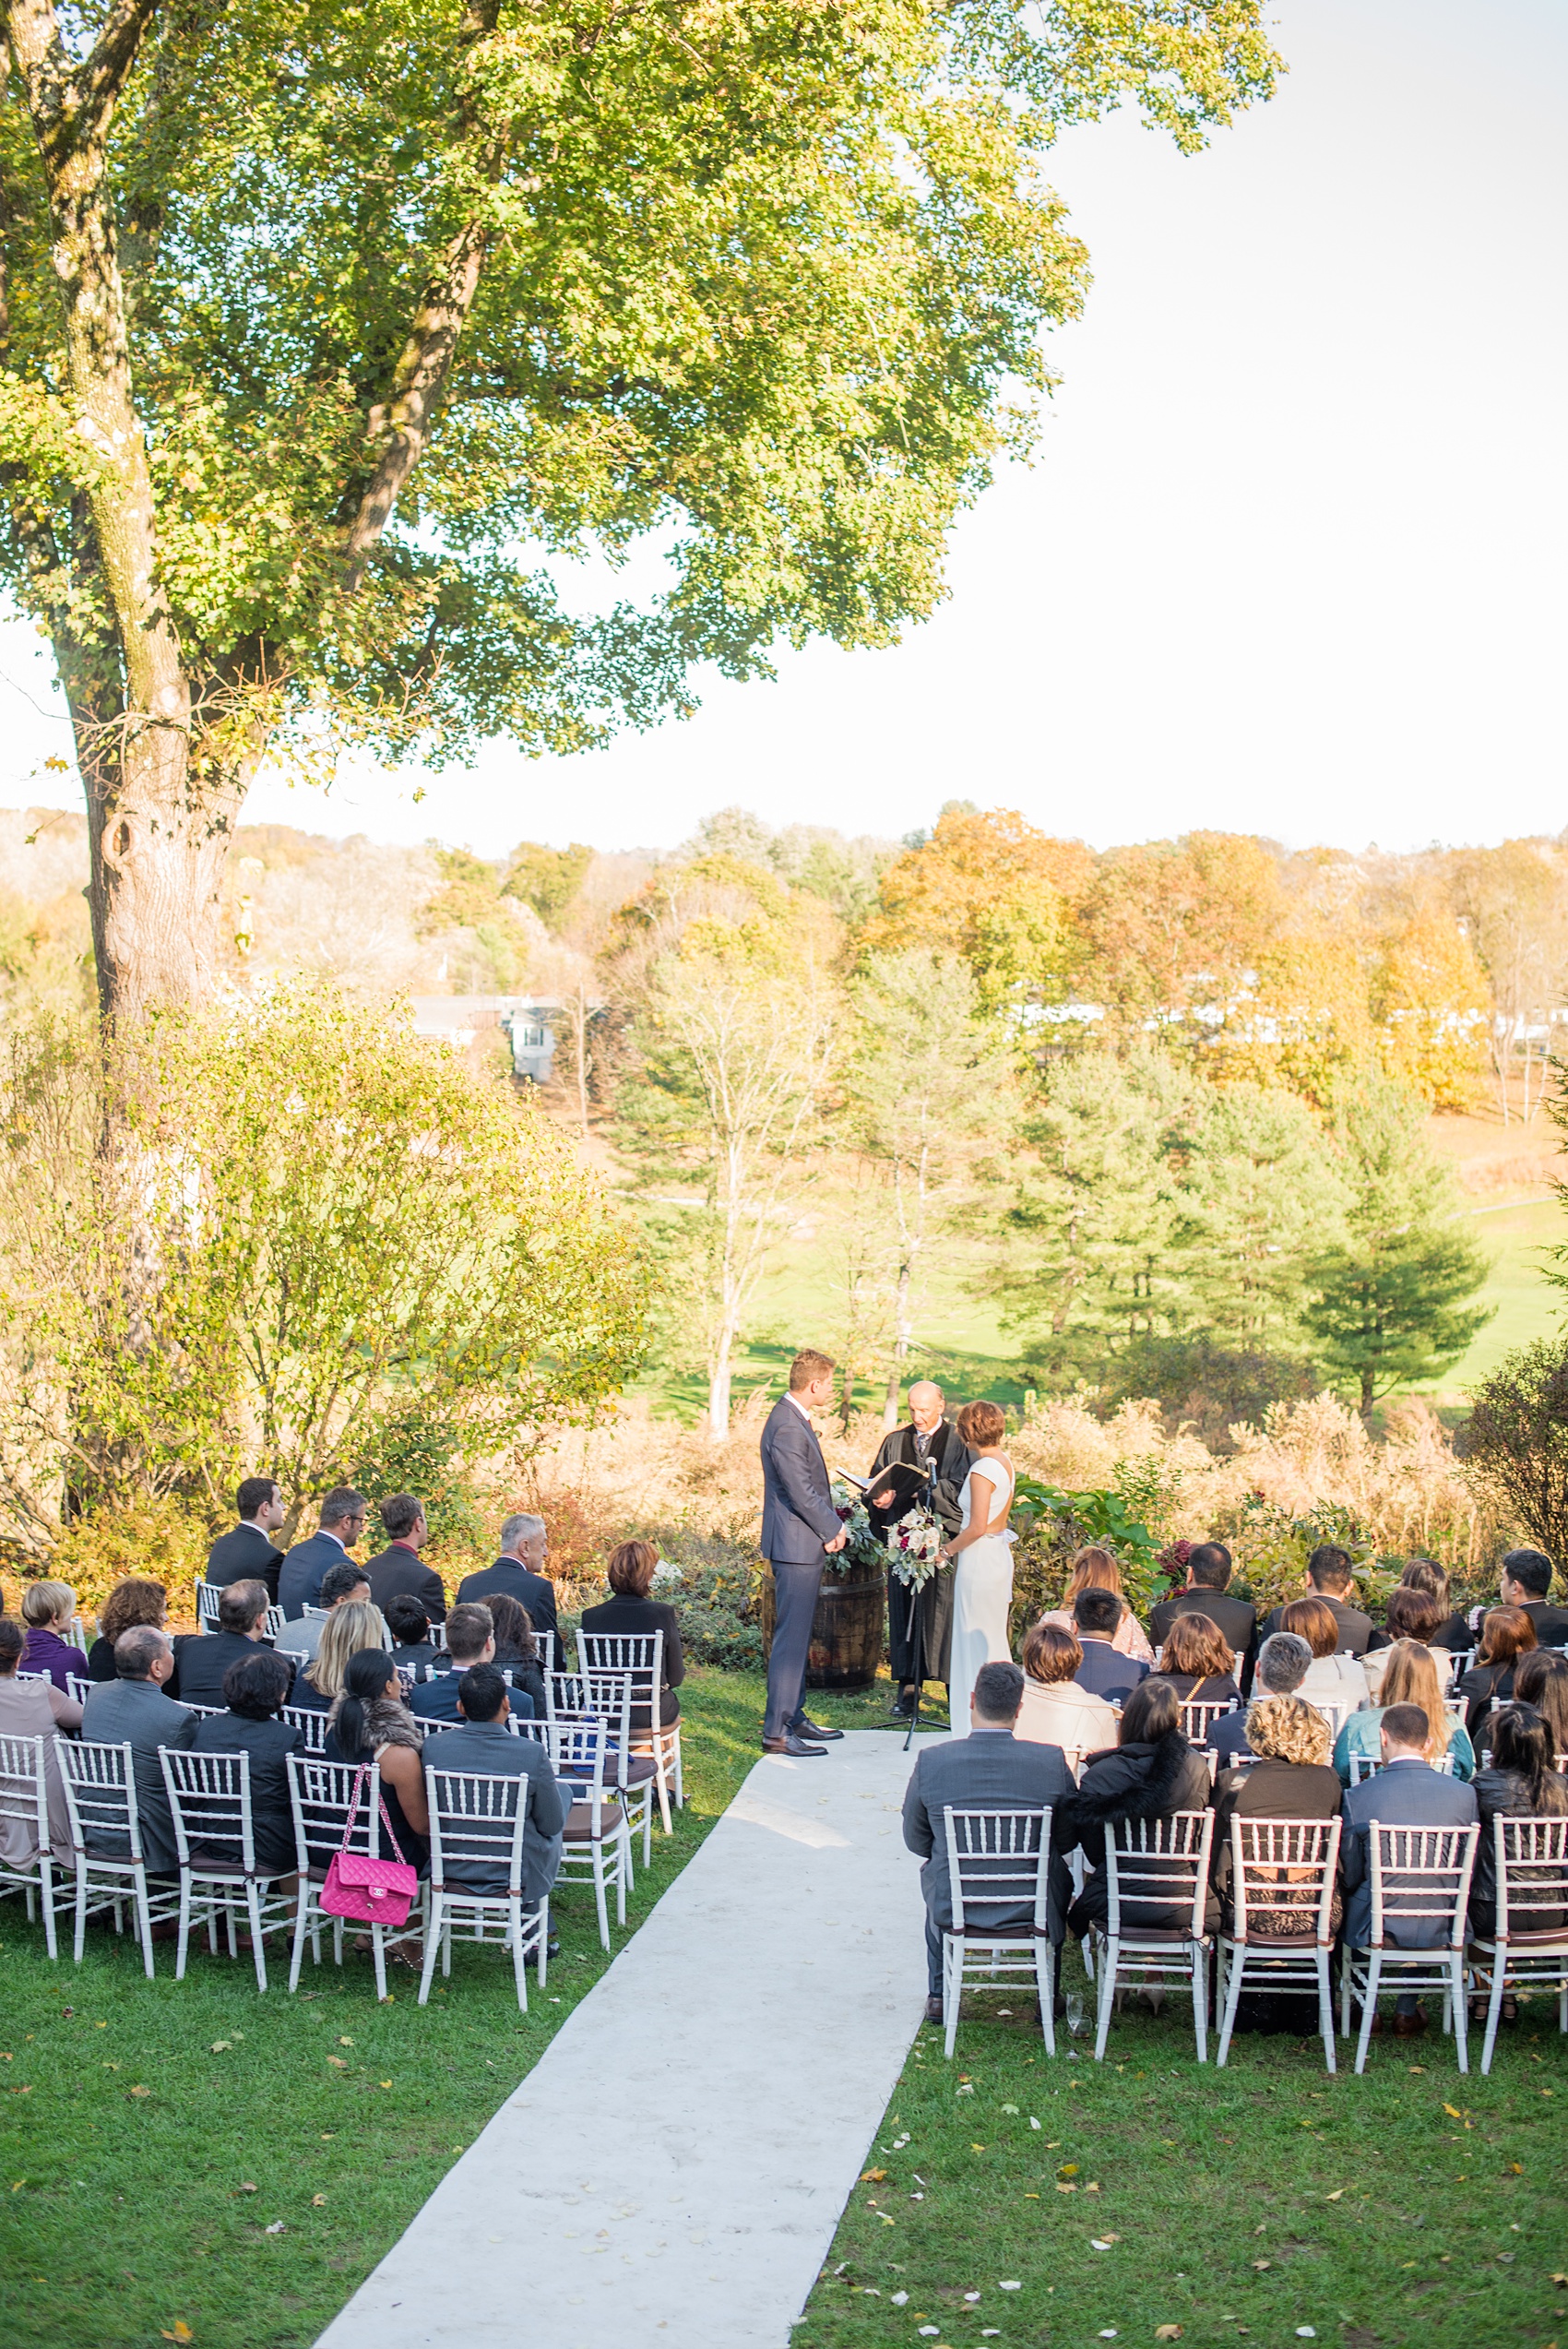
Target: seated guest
<point>410,1625</point>
<point>519,1571</point>
<point>990,1769</point>
<point>1522,1780</point>
<point>1408,1793</point>
<point>1525,1581</point>
<point>481,1743</point>
<point>1095,1569</point>
<point>517,1650</point>
<point>1209,1575</point>
<point>350,1627</point>
<point>1507,1633</point>
<point>1453,1633</point>
<point>138,1599</point>
<point>1332,1677</point>
<point>1409,1677</point>
<point>254,1689</point>
<point>1411,1614</point>
<point>32,1709</point>
<point>245,1553</point>
<point>343,1515</point>
<point>1290,1779</point>
<point>397,1570</point>
<point>47,1611</point>
<point>470,1640</point>
<point>631,1611</point>
<point>132,1710</point>
<point>1152,1774</point>
<point>1196,1660</point>
<point>1541,1678</point>
<point>201,1658</point>
<point>1105,1671</point>
<point>1056,1710</point>
<point>1283,1663</point>
<point>371,1723</point>
<point>341,1585</point>
<point>1333,1583</point>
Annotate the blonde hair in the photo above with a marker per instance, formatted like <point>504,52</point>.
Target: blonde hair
<point>1093,1568</point>
<point>48,1602</point>
<point>1288,1729</point>
<point>1409,1677</point>
<point>349,1629</point>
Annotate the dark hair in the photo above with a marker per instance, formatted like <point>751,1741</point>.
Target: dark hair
<point>482,1692</point>
<point>340,1582</point>
<point>468,1629</point>
<point>807,1368</point>
<point>1330,1566</point>
<point>402,1514</point>
<point>341,1501</point>
<point>1051,1654</point>
<point>138,1599</point>
<point>365,1677</point>
<point>1194,1644</point>
<point>514,1626</point>
<point>138,1649</point>
<point>982,1423</point>
<point>1405,1725</point>
<point>1097,1609</point>
<point>1314,1621</point>
<point>999,1691</point>
<point>1541,1678</point>
<point>406,1619</point>
<point>239,1604</point>
<point>1413,1614</point>
<point>12,1639</point>
<point>1506,1632</point>
<point>257,1685</point>
<point>630,1571</point>
<point>1152,1712</point>
<point>1522,1742</point>
<point>1531,1569</point>
<point>254,1494</point>
<point>1210,1564</point>
<point>1425,1574</point>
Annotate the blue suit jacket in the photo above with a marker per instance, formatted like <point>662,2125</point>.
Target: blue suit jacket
<point>298,1577</point>
<point>1407,1793</point>
<point>798,1515</point>
<point>1105,1672</point>
<point>436,1700</point>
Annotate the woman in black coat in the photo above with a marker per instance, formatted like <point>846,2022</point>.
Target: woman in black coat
<point>253,1690</point>
<point>1522,1781</point>
<point>630,1574</point>
<point>1151,1774</point>
<point>1198,1661</point>
<point>1507,1633</point>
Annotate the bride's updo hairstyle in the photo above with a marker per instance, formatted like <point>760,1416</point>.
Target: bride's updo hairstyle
<point>981,1424</point>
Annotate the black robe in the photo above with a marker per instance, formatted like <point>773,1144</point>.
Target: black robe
<point>935,1605</point>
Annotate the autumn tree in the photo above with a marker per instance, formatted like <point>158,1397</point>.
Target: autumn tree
<point>317,319</point>
<point>1514,901</point>
<point>993,889</point>
<point>1430,998</point>
<point>1173,931</point>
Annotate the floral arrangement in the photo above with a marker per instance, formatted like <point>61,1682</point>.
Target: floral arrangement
<point>863,1548</point>
<point>914,1547</point>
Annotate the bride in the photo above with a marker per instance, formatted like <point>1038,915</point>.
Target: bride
<point>983,1553</point>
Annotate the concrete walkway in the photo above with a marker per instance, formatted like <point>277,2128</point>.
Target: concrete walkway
<point>673,2167</point>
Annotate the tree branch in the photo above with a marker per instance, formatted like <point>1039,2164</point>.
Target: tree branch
<point>72,104</point>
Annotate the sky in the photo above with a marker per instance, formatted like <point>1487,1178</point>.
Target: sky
<point>1288,560</point>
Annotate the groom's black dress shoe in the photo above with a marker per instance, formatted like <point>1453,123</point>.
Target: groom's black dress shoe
<point>793,1746</point>
<point>801,1727</point>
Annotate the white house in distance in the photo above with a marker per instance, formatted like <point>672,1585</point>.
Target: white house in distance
<point>529,1023</point>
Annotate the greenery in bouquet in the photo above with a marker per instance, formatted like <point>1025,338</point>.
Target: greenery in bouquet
<point>914,1547</point>
<point>863,1548</point>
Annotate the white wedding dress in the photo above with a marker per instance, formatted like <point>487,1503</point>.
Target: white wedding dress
<point>983,1588</point>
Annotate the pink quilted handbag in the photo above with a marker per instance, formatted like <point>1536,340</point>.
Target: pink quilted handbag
<point>366,1890</point>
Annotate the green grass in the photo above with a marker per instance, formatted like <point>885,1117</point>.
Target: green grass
<point>1212,2190</point>
<point>1525,1306</point>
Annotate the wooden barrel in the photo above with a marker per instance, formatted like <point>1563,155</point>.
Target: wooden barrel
<point>847,1629</point>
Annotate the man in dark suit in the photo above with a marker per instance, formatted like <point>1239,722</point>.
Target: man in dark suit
<point>1328,1572</point>
<point>1527,1582</point>
<point>1208,1577</point>
<point>989,1770</point>
<point>1407,1793</point>
<point>132,1710</point>
<point>482,1743</point>
<point>343,1515</point>
<point>1283,1663</point>
<point>342,1585</point>
<point>470,1640</point>
<point>396,1572</point>
<point>800,1527</point>
<point>1104,1671</point>
<point>245,1553</point>
<point>920,1630</point>
<point>519,1572</point>
<point>202,1659</point>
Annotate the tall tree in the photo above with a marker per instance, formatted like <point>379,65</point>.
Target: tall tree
<point>1259,1191</point>
<point>1173,931</point>
<point>1515,899</point>
<point>1430,998</point>
<point>992,888</point>
<point>315,316</point>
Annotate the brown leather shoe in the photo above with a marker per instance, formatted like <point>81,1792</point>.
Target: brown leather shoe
<point>933,2007</point>
<point>796,1747</point>
<point>1410,2026</point>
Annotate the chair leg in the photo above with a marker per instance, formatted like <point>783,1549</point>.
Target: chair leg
<point>1326,2009</point>
<point>253,1910</point>
<point>952,1988</point>
<point>81,1907</point>
<point>1456,2000</point>
<point>661,1763</point>
<point>46,1892</point>
<point>623,1870</point>
<point>302,1919</point>
<point>1045,1981</point>
<point>544,1953</point>
<point>1110,1962</point>
<point>1369,2007</point>
<point>519,1956</point>
<point>1200,1999</point>
<point>647,1820</point>
<point>1345,1971</point>
<point>1227,1992</point>
<point>432,1936</point>
<point>378,1959</point>
<point>599,1894</point>
<point>183,1946</point>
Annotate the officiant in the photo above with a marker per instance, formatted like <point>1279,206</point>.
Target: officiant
<point>930,1439</point>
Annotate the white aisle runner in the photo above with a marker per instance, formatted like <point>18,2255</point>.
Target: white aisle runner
<point>673,2167</point>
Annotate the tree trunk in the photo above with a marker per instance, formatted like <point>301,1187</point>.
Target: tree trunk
<point>900,1349</point>
<point>157,848</point>
<point>719,1391</point>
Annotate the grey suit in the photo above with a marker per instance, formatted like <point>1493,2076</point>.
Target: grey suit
<point>798,1520</point>
<point>990,1769</point>
<point>137,1713</point>
<point>1407,1793</point>
<point>488,1750</point>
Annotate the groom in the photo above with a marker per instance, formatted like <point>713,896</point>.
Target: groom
<point>800,1526</point>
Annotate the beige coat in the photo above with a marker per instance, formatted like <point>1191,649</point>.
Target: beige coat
<point>1059,1712</point>
<point>29,1709</point>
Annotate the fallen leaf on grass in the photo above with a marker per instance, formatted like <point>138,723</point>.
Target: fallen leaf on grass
<point>337,2062</point>
<point>1452,2112</point>
<point>1334,2196</point>
<point>138,2092</point>
<point>318,2202</point>
<point>1066,2169</point>
<point>276,2227</point>
<point>1260,2264</point>
<point>180,2331</point>
<point>1167,2333</point>
<point>345,2042</point>
<point>246,2187</point>
<point>875,2176</point>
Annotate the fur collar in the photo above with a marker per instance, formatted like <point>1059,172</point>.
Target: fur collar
<point>1121,1795</point>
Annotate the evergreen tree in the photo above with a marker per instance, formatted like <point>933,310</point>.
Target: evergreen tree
<point>1260,1191</point>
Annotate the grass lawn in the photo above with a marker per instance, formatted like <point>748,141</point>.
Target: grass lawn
<point>153,2132</point>
<point>1410,2206</point>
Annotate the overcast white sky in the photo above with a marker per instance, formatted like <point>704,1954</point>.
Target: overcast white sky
<point>1290,560</point>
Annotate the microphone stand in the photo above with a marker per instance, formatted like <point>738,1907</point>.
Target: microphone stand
<point>917,1626</point>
